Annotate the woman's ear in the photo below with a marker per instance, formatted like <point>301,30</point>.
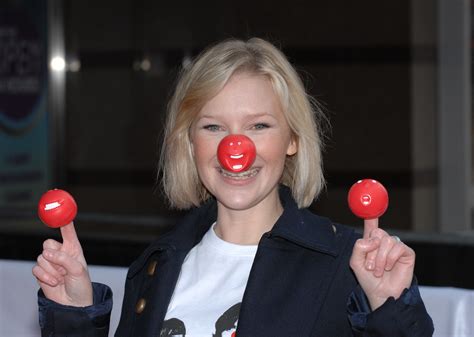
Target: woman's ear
<point>292,147</point>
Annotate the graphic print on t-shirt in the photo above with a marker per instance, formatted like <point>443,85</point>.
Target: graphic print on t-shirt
<point>225,326</point>
<point>228,321</point>
<point>173,328</point>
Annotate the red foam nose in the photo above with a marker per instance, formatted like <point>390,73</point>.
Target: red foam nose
<point>368,199</point>
<point>236,153</point>
<point>57,208</point>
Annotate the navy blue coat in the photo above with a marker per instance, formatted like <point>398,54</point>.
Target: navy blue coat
<point>300,285</point>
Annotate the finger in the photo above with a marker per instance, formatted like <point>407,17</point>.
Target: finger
<point>386,245</point>
<point>400,253</point>
<point>52,244</point>
<point>71,265</point>
<point>362,248</point>
<point>394,255</point>
<point>55,245</point>
<point>44,277</point>
<point>371,256</point>
<point>369,226</point>
<point>50,268</point>
<point>69,234</point>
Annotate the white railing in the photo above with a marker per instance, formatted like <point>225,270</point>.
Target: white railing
<point>452,309</point>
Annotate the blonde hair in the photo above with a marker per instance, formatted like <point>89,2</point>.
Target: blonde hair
<point>201,81</point>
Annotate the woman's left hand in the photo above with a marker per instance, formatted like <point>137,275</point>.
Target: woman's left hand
<point>382,264</point>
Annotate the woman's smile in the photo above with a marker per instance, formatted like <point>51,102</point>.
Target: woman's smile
<point>239,179</point>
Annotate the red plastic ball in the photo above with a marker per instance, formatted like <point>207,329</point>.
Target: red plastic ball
<point>236,153</point>
<point>57,208</point>
<point>368,199</point>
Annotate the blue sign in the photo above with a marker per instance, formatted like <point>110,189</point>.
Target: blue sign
<point>24,154</point>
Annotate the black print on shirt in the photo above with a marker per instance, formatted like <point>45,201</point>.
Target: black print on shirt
<point>226,322</point>
<point>173,327</point>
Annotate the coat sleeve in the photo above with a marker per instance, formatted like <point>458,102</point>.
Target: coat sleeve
<point>58,320</point>
<point>406,316</point>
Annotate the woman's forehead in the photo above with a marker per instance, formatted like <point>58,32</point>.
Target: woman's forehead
<point>243,94</point>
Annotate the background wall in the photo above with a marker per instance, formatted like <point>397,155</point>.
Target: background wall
<point>355,58</point>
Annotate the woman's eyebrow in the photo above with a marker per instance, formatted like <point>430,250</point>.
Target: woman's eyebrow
<point>250,116</point>
<point>205,117</point>
<point>260,114</point>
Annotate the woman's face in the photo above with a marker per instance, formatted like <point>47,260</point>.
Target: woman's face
<point>246,105</point>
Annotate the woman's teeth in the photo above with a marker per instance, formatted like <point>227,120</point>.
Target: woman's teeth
<point>241,175</point>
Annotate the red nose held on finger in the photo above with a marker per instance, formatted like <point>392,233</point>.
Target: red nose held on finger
<point>236,153</point>
<point>57,208</point>
<point>368,199</point>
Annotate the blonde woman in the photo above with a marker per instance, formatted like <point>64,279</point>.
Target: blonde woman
<point>249,259</point>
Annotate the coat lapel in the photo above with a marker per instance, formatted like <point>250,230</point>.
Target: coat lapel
<point>156,288</point>
<point>292,271</point>
<point>285,291</point>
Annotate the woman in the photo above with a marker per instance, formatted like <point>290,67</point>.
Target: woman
<point>248,259</point>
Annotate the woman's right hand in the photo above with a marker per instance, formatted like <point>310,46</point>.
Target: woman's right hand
<point>61,270</point>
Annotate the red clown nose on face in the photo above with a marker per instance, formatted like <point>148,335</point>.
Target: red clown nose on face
<point>236,153</point>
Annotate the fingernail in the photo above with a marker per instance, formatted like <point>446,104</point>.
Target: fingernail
<point>48,253</point>
<point>369,265</point>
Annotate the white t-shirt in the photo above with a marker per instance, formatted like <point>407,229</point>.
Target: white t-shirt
<point>209,291</point>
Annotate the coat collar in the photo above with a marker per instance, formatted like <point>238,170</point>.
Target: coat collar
<point>304,228</point>
<point>298,226</point>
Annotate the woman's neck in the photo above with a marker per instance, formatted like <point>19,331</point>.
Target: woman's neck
<point>246,227</point>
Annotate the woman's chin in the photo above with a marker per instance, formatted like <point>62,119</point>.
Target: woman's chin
<point>236,202</point>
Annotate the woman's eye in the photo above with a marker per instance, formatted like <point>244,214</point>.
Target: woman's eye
<point>211,127</point>
<point>261,126</point>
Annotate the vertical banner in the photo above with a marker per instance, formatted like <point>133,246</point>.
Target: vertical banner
<point>24,146</point>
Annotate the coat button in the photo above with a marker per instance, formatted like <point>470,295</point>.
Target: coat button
<point>140,306</point>
<point>151,268</point>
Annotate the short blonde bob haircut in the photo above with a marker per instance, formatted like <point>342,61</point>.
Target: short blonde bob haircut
<point>202,80</point>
